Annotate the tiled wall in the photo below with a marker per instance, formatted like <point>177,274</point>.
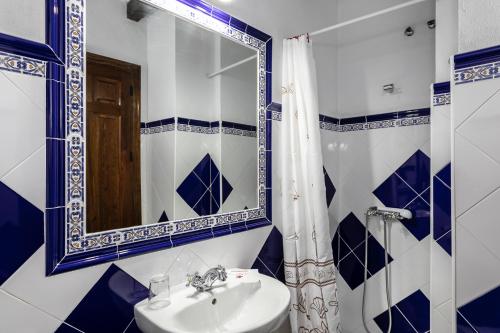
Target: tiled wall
<point>92,300</point>
<point>376,160</point>
<point>475,95</point>
<point>441,253</point>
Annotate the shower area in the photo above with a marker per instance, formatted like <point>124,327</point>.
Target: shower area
<point>374,86</point>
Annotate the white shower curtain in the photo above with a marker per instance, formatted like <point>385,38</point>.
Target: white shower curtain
<point>309,268</point>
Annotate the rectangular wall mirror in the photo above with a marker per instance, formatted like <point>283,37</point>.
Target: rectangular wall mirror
<point>169,135</point>
<point>166,128</point>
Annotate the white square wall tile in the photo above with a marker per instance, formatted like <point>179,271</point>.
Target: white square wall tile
<point>440,138</point>
<point>143,267</point>
<point>19,117</point>
<point>28,179</point>
<point>477,269</point>
<point>441,275</point>
<point>467,98</point>
<point>446,310</point>
<point>18,316</point>
<point>439,324</point>
<point>57,295</point>
<point>482,127</point>
<point>476,175</point>
<point>483,222</point>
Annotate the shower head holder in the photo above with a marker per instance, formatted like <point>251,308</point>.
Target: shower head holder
<point>390,213</point>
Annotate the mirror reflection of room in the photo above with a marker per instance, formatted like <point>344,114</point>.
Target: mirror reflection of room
<point>171,118</point>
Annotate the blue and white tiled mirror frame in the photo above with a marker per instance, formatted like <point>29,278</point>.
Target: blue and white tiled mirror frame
<point>62,61</point>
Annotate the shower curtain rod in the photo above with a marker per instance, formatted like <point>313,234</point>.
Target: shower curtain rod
<point>366,17</point>
<point>241,62</point>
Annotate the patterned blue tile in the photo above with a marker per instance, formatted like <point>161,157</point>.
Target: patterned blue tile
<point>21,231</point>
<point>483,312</point>
<point>201,188</point>
<point>399,323</point>
<point>409,315</point>
<point>420,223</point>
<point>416,308</point>
<point>376,255</point>
<point>445,242</point>
<point>352,230</point>
<point>163,217</point>
<point>394,192</point>
<point>442,208</point>
<point>109,305</point>
<point>445,174</point>
<point>330,188</point>
<point>352,271</point>
<point>271,253</point>
<point>416,171</point>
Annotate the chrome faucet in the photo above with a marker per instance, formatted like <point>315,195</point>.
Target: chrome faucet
<point>205,282</point>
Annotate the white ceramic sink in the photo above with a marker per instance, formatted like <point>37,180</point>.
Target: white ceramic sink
<point>246,302</point>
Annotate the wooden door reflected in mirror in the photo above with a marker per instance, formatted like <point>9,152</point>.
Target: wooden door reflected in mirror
<point>113,144</point>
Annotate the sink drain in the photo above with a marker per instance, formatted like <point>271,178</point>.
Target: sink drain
<point>214,301</point>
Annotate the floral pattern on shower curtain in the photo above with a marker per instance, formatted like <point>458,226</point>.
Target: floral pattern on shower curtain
<point>309,268</point>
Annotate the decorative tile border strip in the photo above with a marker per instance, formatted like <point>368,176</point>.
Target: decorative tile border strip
<point>441,94</point>
<point>198,126</point>
<point>22,65</point>
<point>477,65</point>
<point>361,123</point>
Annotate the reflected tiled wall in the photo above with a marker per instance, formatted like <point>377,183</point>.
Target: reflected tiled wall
<point>475,95</point>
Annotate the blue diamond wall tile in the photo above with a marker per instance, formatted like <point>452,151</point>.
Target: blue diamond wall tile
<point>394,192</point>
<point>352,271</point>
<point>109,305</point>
<point>163,217</point>
<point>445,242</point>
<point>463,326</point>
<point>399,323</point>
<point>352,230</point>
<point>335,248</point>
<point>416,308</point>
<point>409,315</point>
<point>67,329</point>
<point>226,189</point>
<point>344,249</point>
<point>201,188</point>
<point>445,174</point>
<point>259,265</point>
<point>442,208</point>
<point>420,223</point>
<point>271,254</point>
<point>21,231</point>
<point>133,328</point>
<point>483,312</point>
<point>330,188</point>
<point>426,195</point>
<point>376,255</point>
<point>416,171</point>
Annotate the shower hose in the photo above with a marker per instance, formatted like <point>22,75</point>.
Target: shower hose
<point>387,277</point>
